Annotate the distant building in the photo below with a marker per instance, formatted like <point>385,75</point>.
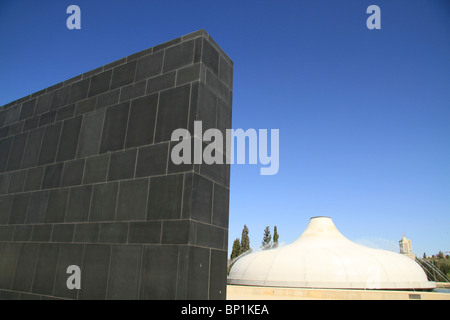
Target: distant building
<point>406,248</point>
<point>324,258</point>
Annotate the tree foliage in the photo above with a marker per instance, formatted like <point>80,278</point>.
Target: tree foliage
<point>267,238</point>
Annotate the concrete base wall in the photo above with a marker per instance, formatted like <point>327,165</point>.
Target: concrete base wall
<point>272,293</point>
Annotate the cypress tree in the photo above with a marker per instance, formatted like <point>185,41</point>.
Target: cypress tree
<point>275,237</point>
<point>245,240</point>
<point>265,244</point>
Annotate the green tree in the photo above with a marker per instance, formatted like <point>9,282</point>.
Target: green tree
<point>265,244</point>
<point>245,240</point>
<point>275,237</point>
<point>236,251</point>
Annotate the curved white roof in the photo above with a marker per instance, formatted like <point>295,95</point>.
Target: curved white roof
<point>323,258</point>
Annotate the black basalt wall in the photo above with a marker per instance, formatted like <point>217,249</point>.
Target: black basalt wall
<point>86,179</point>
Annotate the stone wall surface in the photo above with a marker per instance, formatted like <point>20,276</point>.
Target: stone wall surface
<point>86,179</point>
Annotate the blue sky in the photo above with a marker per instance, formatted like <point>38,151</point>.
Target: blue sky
<point>363,114</point>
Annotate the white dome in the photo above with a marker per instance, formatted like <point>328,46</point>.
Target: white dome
<point>323,258</point>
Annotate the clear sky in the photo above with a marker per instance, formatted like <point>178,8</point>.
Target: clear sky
<point>364,115</point>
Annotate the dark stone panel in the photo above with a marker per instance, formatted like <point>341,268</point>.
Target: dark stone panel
<point>41,233</point>
<point>4,132</point>
<point>108,99</point>
<point>162,82</point>
<point>123,75</point>
<point>114,128</point>
<point>65,112</point>
<point>114,64</point>
<point>182,167</point>
<point>29,296</point>
<point>210,236</point>
<point>9,295</point>
<point>202,199</point>
<point>95,272</point>
<point>206,108</point>
<point>47,118</point>
<point>219,173</point>
<point>132,200</point>
<point>52,176</point>
<point>141,124</point>
<point>113,232</point>
<point>179,56</point>
<point>226,73</point>
<point>96,169</point>
<point>133,91</point>
<point>122,164</point>
<point>90,134</point>
<point>6,233</point>
<point>187,195</point>
<point>175,232</point>
<point>43,103</point>
<point>31,154</point>
<point>27,110</point>
<point>73,173</point>
<point>10,254</point>
<point>159,273</point>
<point>100,83</point>
<point>44,275</point>
<point>16,153</point>
<point>17,181</point>
<point>22,233</point>
<point>172,102</point>
<point>166,44</point>
<point>103,204</point>
<point>86,105</point>
<point>210,57</point>
<point>2,116</point>
<point>198,273</point>
<point>25,267</point>
<point>12,114</point>
<point>86,232</point>
<point>188,74</point>
<point>37,207</point>
<point>69,254</point>
<point>144,232</point>
<point>4,182</point>
<point>60,97</point>
<point>50,144</point>
<point>218,272</point>
<point>63,232</point>
<point>198,50</point>
<point>5,146</point>
<point>5,208</point>
<point>164,199</point>
<point>19,208</point>
<point>31,123</point>
<point>69,139</point>
<point>223,120</point>
<point>221,206</point>
<point>79,90</point>
<point>79,203</point>
<point>15,128</point>
<point>124,273</point>
<point>182,275</point>
<point>56,207</point>
<point>152,160</point>
<point>149,66</point>
<point>218,87</point>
